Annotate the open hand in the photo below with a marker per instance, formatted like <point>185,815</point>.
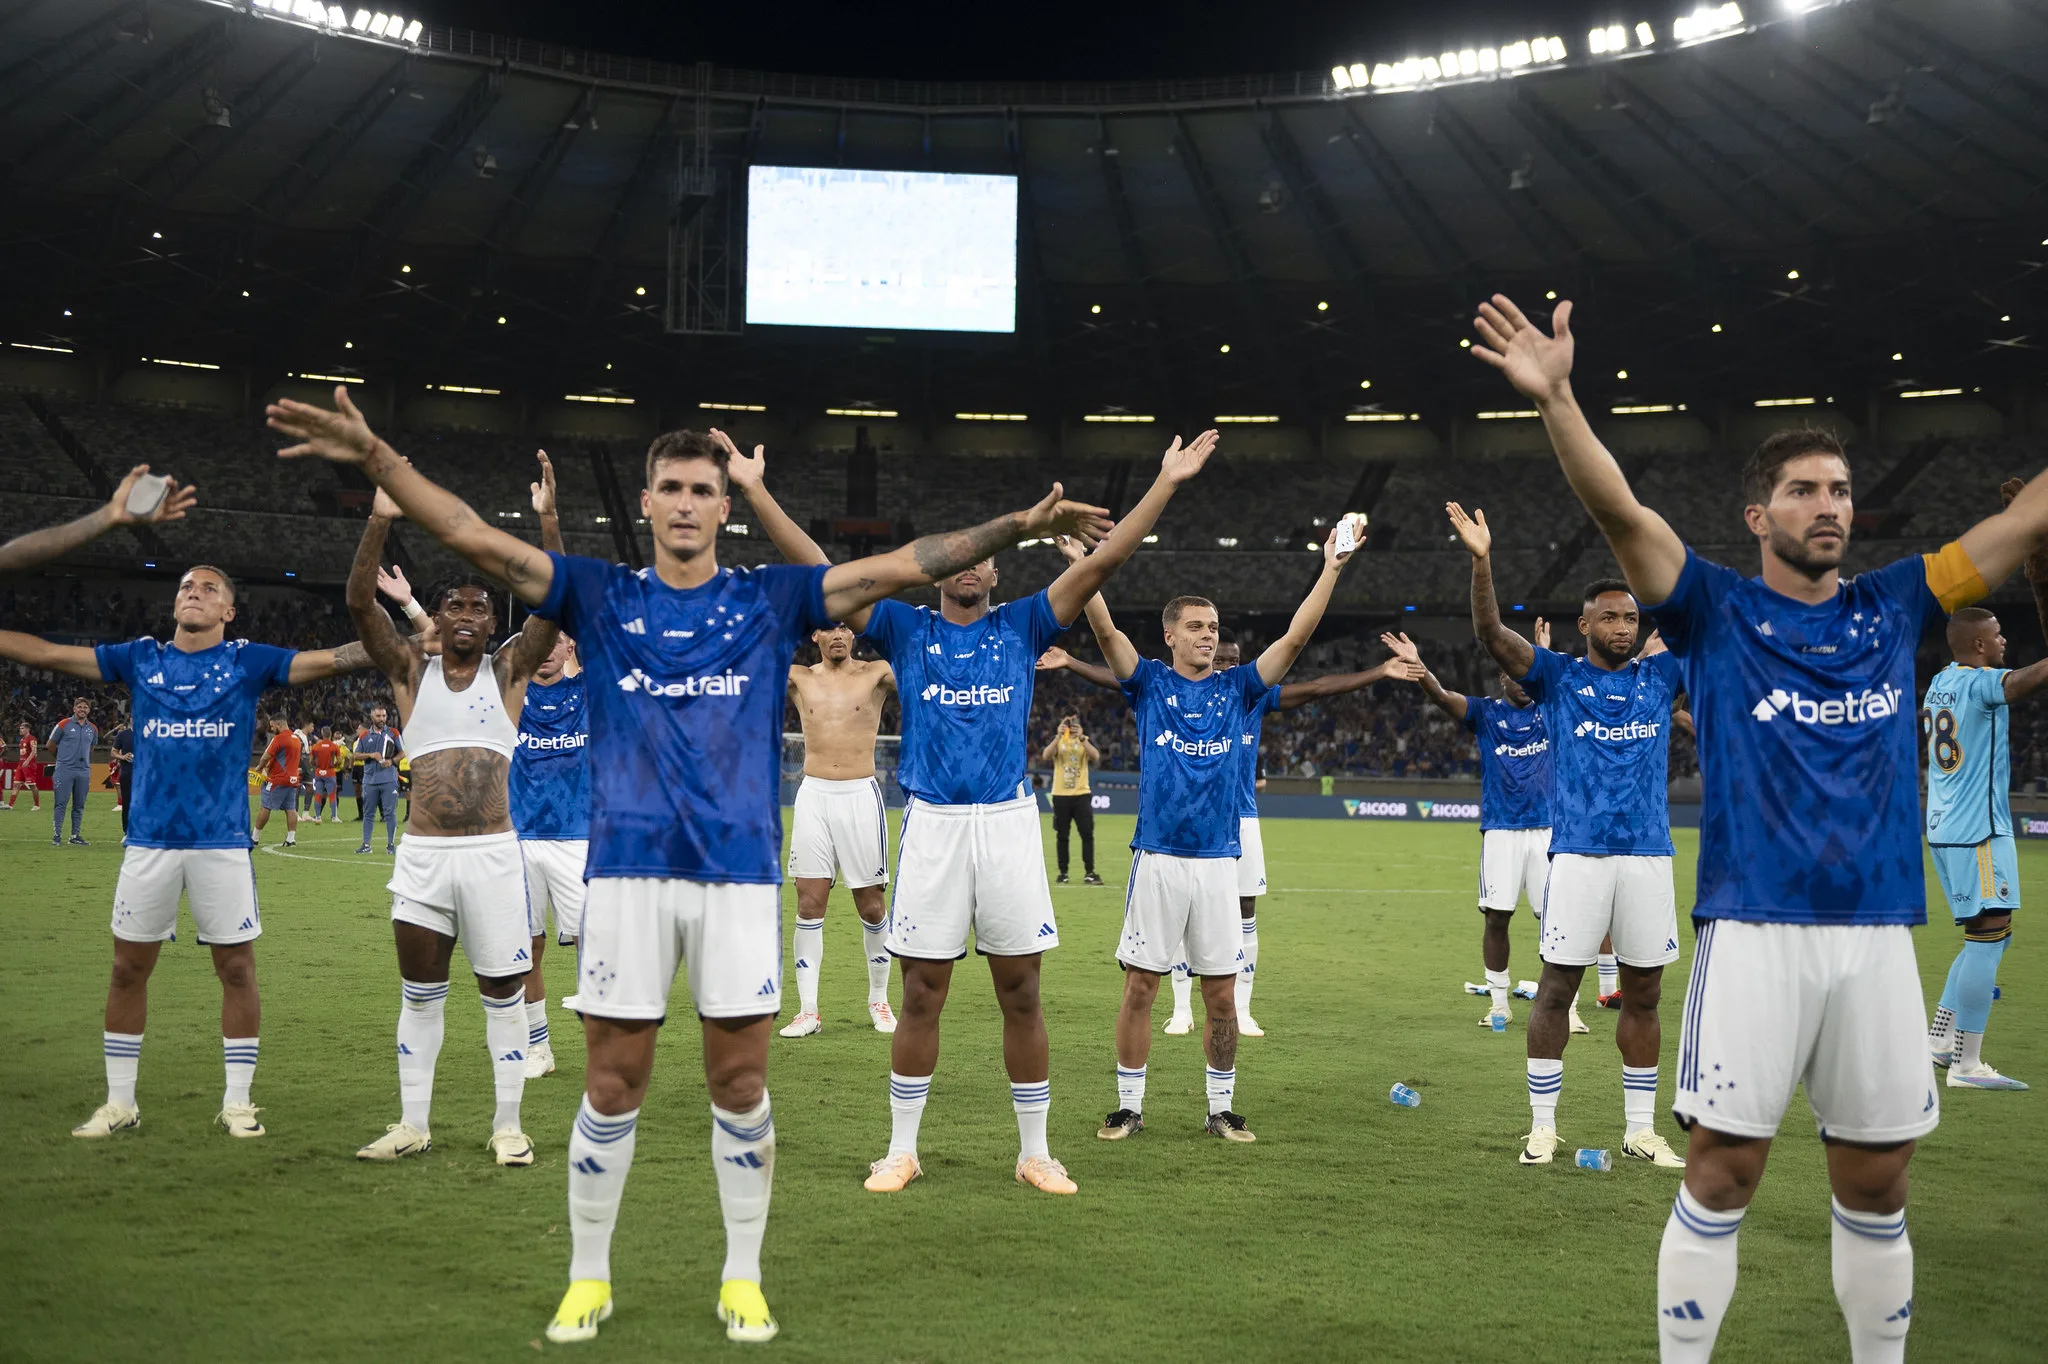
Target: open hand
<point>1401,670</point>
<point>544,491</point>
<point>1056,516</point>
<point>1052,659</point>
<point>1401,647</point>
<point>177,501</point>
<point>392,584</point>
<point>745,472</point>
<point>1653,646</point>
<point>1542,632</point>
<point>1183,462</point>
<point>1472,531</point>
<point>341,435</point>
<point>1070,549</point>
<point>1538,366</point>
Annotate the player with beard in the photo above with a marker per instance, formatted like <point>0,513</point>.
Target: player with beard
<point>459,874</point>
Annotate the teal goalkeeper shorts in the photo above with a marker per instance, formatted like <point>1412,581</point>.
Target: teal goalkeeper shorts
<point>1979,877</point>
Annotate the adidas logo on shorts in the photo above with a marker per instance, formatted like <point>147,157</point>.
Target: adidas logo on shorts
<point>1045,930</point>
<point>767,987</point>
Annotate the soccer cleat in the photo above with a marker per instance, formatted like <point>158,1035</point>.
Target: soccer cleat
<point>745,1312</point>
<point>1647,1145</point>
<point>803,1025</point>
<point>1576,1023</point>
<point>240,1120</point>
<point>1091,879</point>
<point>400,1139</point>
<point>1525,989</point>
<point>1980,1076</point>
<point>1539,1146</point>
<point>1942,1059</point>
<point>885,1018</point>
<point>1247,1026</point>
<point>1229,1126</point>
<point>891,1173</point>
<point>1046,1175</point>
<point>1120,1124</point>
<point>1505,1015</point>
<point>540,1061</point>
<point>511,1146</point>
<point>108,1119</point>
<point>1180,1025</point>
<point>1612,1001</point>
<point>1060,880</point>
<point>1475,989</point>
<point>588,1302</point>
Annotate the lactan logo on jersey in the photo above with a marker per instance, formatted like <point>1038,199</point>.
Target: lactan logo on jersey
<point>1851,708</point>
<point>708,684</point>
<point>981,694</point>
<point>1616,734</point>
<point>188,729</point>
<point>1193,748</point>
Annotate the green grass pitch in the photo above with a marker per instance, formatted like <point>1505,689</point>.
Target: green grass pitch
<point>1353,1229</point>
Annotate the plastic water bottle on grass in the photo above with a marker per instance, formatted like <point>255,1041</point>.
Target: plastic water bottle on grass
<point>1405,1096</point>
<point>1594,1160</point>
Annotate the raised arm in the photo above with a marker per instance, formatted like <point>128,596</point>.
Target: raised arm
<point>397,657</point>
<point>2035,565</point>
<point>1295,695</point>
<point>1509,649</point>
<point>24,552</point>
<point>391,583</point>
<point>314,665</point>
<point>749,473</point>
<point>33,652</point>
<point>1084,577</point>
<point>536,636</point>
<point>1404,649</point>
<point>343,437</point>
<point>1649,551</point>
<point>1281,653</point>
<point>1057,658</point>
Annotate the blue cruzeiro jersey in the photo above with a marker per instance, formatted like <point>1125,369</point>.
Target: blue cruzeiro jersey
<point>1190,755</point>
<point>195,722</point>
<point>1514,763</point>
<point>1248,752</point>
<point>685,690</point>
<point>1807,741</point>
<point>966,696</point>
<point>550,784</point>
<point>1966,723</point>
<point>1610,752</point>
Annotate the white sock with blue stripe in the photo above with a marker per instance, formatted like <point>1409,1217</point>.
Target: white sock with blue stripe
<point>1695,1278</point>
<point>809,950</point>
<point>536,1025</point>
<point>1032,1100</point>
<point>875,938</point>
<point>420,1027</point>
<point>600,1154</point>
<point>743,1154</point>
<point>238,1054</point>
<point>906,1110</point>
<point>1546,1083</point>
<point>1247,963</point>
<point>1183,991</point>
<point>1638,1098</point>
<point>1610,973</point>
<point>1222,1090</point>
<point>1874,1282</point>
<point>1130,1087</point>
<point>505,1035</point>
<point>124,1057</point>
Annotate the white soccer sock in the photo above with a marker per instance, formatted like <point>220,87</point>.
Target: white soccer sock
<point>536,1025</point>
<point>810,950</point>
<point>1222,1089</point>
<point>1248,962</point>
<point>743,1154</point>
<point>1874,1282</point>
<point>875,937</point>
<point>1941,1034</point>
<point>1183,990</point>
<point>239,1056</point>
<point>1032,1101</point>
<point>505,1035</point>
<point>1497,985</point>
<point>906,1110</point>
<point>1695,1278</point>
<point>600,1154</point>
<point>124,1058</point>
<point>1610,973</point>
<point>1546,1083</point>
<point>1130,1088</point>
<point>1638,1098</point>
<point>420,1025</point>
<point>1969,1049</point>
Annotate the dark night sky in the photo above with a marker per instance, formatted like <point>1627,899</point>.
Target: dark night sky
<point>1050,39</point>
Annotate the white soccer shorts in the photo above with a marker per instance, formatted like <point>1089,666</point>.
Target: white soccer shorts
<point>842,827</point>
<point>971,867</point>
<point>1513,863</point>
<point>470,888</point>
<point>1588,898</point>
<point>1251,860</point>
<point>1836,1007</point>
<point>1189,902</point>
<point>221,883</point>
<point>554,879</point>
<point>638,929</point>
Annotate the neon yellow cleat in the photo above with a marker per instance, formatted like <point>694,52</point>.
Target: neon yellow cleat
<point>745,1312</point>
<point>588,1302</point>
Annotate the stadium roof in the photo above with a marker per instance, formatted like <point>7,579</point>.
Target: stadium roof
<point>1785,206</point>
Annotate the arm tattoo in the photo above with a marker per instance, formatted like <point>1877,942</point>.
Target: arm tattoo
<point>1509,649</point>
<point>351,656</point>
<point>941,556</point>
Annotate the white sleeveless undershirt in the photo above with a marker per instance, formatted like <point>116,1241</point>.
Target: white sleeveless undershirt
<point>473,718</point>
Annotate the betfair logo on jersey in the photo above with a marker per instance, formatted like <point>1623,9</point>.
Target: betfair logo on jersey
<point>1851,708</point>
<point>707,684</point>
<point>981,694</point>
<point>1192,748</point>
<point>1617,734</point>
<point>1521,750</point>
<point>544,743</point>
<point>188,729</point>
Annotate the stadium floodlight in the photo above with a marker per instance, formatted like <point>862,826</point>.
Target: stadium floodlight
<point>1468,62</point>
<point>1786,402</point>
<point>1931,393</point>
<point>412,35</point>
<point>464,388</point>
<point>990,417</point>
<point>860,411</point>
<point>337,17</point>
<point>1226,542</point>
<point>598,398</point>
<point>1380,417</point>
<point>180,364</point>
<point>1265,420</point>
<point>1514,56</point>
<point>1151,539</point>
<point>1645,35</point>
<point>738,528</point>
<point>328,378</point>
<point>1385,75</point>
<point>1613,38</point>
<point>1430,70</point>
<point>1896,355</point>
<point>1118,418</point>
<point>1706,22</point>
<point>361,20</point>
<point>1489,60</point>
<point>31,345</point>
<point>733,407</point>
<point>1504,416</point>
<point>1340,77</point>
<point>1638,409</point>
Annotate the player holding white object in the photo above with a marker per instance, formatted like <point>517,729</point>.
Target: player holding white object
<point>685,740</point>
<point>1966,722</point>
<point>459,873</point>
<point>972,856</point>
<point>1810,872</point>
<point>194,713</point>
<point>550,794</point>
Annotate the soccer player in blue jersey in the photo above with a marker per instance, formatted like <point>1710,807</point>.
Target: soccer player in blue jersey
<point>1965,719</point>
<point>1810,874</point>
<point>1607,717</point>
<point>686,665</point>
<point>1181,900</point>
<point>550,791</point>
<point>194,706</point>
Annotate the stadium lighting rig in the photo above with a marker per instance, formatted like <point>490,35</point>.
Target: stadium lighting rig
<point>363,23</point>
<point>1411,72</point>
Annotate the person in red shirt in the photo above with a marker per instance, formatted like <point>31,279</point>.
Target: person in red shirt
<point>280,766</point>
<point>28,773</point>
<point>325,786</point>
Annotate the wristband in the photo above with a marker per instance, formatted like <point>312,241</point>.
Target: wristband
<point>414,612</point>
